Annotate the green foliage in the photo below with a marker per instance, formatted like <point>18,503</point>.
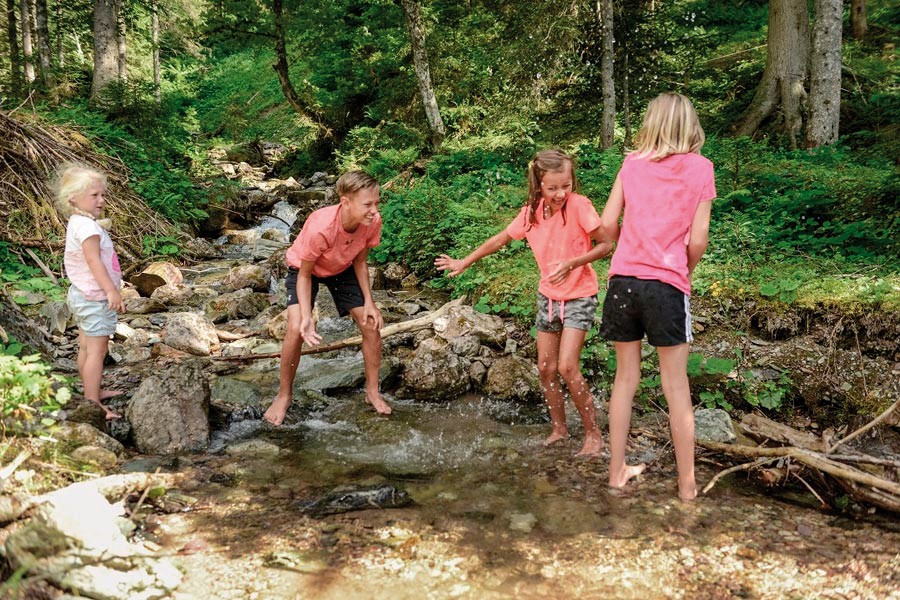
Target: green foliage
<point>160,246</point>
<point>26,278</point>
<point>30,397</point>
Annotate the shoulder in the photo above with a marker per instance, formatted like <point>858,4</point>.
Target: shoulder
<point>321,220</point>
<point>82,225</point>
<point>699,162</point>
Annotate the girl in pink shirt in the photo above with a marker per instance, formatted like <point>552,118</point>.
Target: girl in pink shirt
<point>93,268</point>
<point>665,190</point>
<point>563,230</point>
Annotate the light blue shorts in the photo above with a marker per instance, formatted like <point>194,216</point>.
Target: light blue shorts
<point>93,317</point>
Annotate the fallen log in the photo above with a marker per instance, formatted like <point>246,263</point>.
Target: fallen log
<point>113,487</point>
<point>394,329</point>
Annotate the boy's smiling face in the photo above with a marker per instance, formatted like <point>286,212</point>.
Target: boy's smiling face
<point>359,208</point>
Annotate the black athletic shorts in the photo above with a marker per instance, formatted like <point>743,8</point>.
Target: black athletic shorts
<point>344,288</point>
<point>635,306</point>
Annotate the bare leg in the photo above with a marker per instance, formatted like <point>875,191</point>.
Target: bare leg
<point>673,371</point>
<point>548,367</point>
<point>570,345</point>
<point>91,354</point>
<point>628,376</point>
<point>290,360</point>
<point>371,349</point>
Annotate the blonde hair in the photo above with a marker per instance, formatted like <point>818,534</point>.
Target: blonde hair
<point>354,181</point>
<point>73,179</point>
<point>671,126</point>
<point>546,161</point>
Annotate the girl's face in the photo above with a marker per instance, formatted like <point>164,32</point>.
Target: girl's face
<point>556,187</point>
<point>92,199</point>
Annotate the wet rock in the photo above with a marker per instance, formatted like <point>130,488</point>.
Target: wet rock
<point>477,372</point>
<point>200,248</point>
<point>190,332</point>
<point>523,522</point>
<point>101,457</point>
<point>169,411</point>
<point>277,326</point>
<point>394,274</point>
<point>342,501</point>
<point>376,278</point>
<point>236,305</point>
<point>142,306</point>
<point>87,435</point>
<point>57,316</point>
<point>465,345</point>
<point>88,413</point>
<point>173,294</point>
<point>513,378</point>
<point>255,277</point>
<point>409,308</point>
<point>435,372</point>
<point>464,320</point>
<point>409,282</point>
<point>90,555</point>
<point>713,425</point>
<point>257,449</point>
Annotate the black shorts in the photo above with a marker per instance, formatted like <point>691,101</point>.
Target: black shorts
<point>344,288</point>
<point>635,306</point>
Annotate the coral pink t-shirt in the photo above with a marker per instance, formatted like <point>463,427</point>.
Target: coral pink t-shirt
<point>78,229</point>
<point>324,241</point>
<point>661,198</point>
<point>553,240</point>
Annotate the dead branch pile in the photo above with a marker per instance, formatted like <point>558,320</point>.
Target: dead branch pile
<point>30,153</point>
<point>826,469</point>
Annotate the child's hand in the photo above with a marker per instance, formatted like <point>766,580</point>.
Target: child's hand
<point>373,315</point>
<point>114,299</point>
<point>308,331</point>
<point>452,266</point>
<point>560,272</point>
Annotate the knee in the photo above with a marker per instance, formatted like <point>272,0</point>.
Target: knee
<point>569,370</point>
<point>548,369</point>
<point>293,329</point>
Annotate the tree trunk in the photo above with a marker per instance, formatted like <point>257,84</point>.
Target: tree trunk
<point>43,39</point>
<point>27,50</point>
<point>825,74</point>
<point>154,33</point>
<point>423,71</point>
<point>106,59</point>
<point>60,55</point>
<point>787,67</point>
<point>120,41</point>
<point>15,66</point>
<point>604,10</point>
<point>859,23</point>
<point>626,104</point>
<point>284,77</point>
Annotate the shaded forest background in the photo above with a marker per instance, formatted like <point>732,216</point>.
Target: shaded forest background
<point>446,101</point>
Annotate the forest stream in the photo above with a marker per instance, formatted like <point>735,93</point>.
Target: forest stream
<point>491,512</point>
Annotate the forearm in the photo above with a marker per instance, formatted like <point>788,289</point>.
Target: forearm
<point>695,251</point>
<point>99,272</point>
<point>599,251</point>
<point>489,247</point>
<point>304,294</point>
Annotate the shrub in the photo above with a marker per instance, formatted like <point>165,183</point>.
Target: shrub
<point>30,397</point>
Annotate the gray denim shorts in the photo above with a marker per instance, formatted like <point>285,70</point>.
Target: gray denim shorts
<point>94,317</point>
<point>553,315</point>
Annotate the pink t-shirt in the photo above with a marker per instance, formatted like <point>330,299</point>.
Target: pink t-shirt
<point>324,241</point>
<point>661,198</point>
<point>78,229</point>
<point>552,240</point>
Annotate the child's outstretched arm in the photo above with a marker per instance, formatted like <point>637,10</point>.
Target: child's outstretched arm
<point>699,235</point>
<point>370,311</point>
<point>91,249</point>
<point>455,267</point>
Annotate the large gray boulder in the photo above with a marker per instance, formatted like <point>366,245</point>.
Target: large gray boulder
<point>464,320</point>
<point>242,304</point>
<point>169,412</point>
<point>255,277</point>
<point>173,294</point>
<point>713,425</point>
<point>190,332</point>
<point>435,373</point>
<point>513,378</point>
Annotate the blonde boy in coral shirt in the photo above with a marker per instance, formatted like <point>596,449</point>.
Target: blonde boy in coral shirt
<point>332,249</point>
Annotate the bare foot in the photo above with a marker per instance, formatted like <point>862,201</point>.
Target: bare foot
<point>555,436</point>
<point>619,480</point>
<point>687,492</point>
<point>382,407</point>
<point>110,414</point>
<point>276,411</point>
<point>593,444</point>
<point>107,394</point>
